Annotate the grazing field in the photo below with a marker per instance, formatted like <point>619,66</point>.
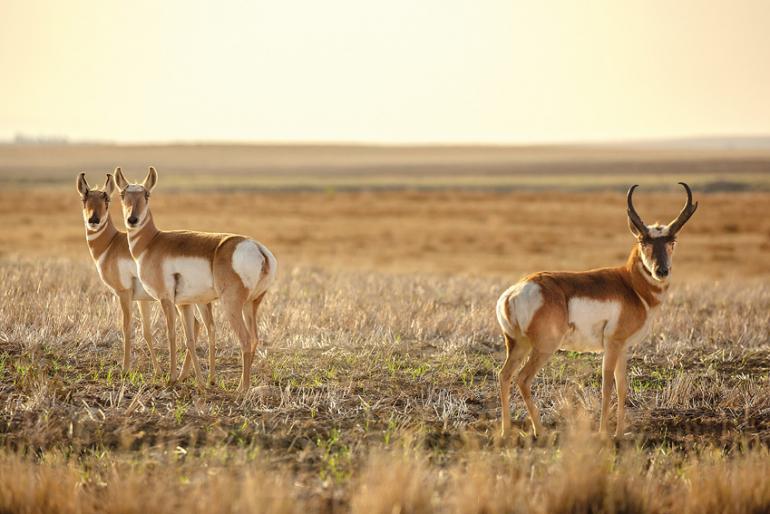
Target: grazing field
<point>376,390</point>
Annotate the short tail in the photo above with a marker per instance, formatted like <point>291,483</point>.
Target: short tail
<point>269,271</point>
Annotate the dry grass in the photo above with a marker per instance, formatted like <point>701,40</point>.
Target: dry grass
<point>376,390</point>
<point>376,393</point>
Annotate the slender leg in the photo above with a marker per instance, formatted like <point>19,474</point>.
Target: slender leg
<point>207,313</point>
<point>234,312</point>
<point>255,320</point>
<point>621,384</point>
<point>125,306</point>
<point>146,315</point>
<point>188,318</point>
<point>609,362</point>
<point>248,318</point>
<point>514,354</point>
<point>170,313</point>
<point>535,362</point>
<point>187,363</point>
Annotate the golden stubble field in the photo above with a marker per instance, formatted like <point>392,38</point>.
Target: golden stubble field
<point>450,231</point>
<point>376,390</point>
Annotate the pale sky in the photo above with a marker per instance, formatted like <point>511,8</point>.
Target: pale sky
<point>391,71</point>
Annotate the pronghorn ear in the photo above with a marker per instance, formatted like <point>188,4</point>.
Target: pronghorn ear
<point>151,179</point>
<point>109,185</point>
<point>82,185</point>
<point>120,180</point>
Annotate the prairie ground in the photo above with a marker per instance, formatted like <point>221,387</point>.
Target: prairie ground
<point>375,389</point>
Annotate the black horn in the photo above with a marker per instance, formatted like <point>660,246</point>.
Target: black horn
<point>687,211</point>
<point>633,216</point>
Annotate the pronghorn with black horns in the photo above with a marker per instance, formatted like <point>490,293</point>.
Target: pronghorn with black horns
<point>603,310</point>
<point>116,267</point>
<point>181,267</point>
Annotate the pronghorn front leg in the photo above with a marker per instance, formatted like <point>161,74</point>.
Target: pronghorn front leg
<point>621,384</point>
<point>189,322</point>
<point>125,306</point>
<point>609,362</point>
<point>170,313</point>
<point>144,311</point>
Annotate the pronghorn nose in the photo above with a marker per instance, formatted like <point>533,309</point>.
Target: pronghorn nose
<point>94,219</point>
<point>662,272</point>
<point>132,220</point>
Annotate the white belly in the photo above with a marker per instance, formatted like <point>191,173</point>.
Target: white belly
<point>591,321</point>
<point>189,279</point>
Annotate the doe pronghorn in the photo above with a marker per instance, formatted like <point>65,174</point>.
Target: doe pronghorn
<point>181,267</point>
<point>111,255</point>
<point>603,310</point>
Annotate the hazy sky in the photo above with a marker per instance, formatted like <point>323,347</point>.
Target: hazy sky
<point>384,71</point>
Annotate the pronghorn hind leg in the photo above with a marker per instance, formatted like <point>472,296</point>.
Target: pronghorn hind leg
<point>536,361</point>
<point>188,319</point>
<point>249,320</point>
<point>207,313</point>
<point>515,350</point>
<point>187,363</point>
<point>125,306</point>
<point>169,311</point>
<point>146,315</point>
<point>234,310</point>
<point>255,321</point>
<point>186,366</point>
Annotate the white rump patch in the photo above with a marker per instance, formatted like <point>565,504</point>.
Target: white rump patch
<point>248,262</point>
<point>189,279</point>
<point>523,300</point>
<point>593,320</point>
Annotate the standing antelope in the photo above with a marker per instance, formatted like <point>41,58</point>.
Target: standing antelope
<point>181,267</point>
<point>116,267</point>
<point>606,309</point>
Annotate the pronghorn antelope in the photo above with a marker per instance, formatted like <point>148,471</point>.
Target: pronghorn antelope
<point>603,310</point>
<point>116,267</point>
<point>183,267</point>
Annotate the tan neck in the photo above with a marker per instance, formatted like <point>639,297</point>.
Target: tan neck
<point>140,238</point>
<point>99,240</point>
<point>642,281</point>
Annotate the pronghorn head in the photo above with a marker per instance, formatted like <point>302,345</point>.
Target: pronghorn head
<point>96,202</point>
<point>656,242</point>
<point>135,198</point>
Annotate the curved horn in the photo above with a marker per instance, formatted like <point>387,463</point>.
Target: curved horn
<point>687,211</point>
<point>633,216</point>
